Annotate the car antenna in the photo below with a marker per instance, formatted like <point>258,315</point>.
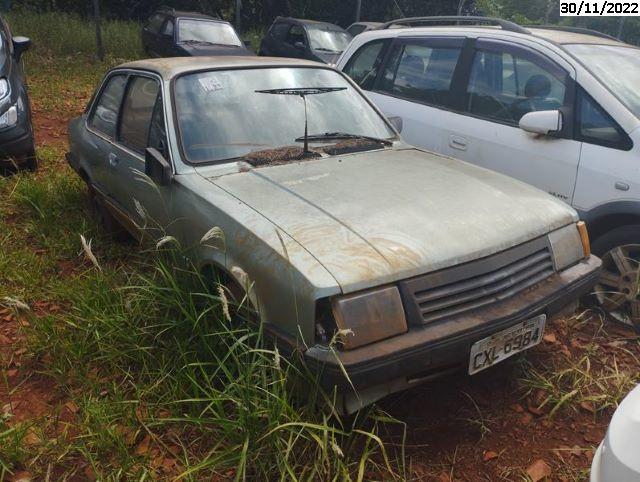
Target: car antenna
<point>302,92</point>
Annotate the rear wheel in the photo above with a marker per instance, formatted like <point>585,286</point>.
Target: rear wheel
<point>617,291</point>
<point>106,220</point>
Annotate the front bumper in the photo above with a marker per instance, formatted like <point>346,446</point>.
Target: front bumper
<point>17,142</point>
<point>440,347</point>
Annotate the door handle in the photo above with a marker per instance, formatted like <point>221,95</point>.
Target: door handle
<point>458,142</point>
<point>113,160</point>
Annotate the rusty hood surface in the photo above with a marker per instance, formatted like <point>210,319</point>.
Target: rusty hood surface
<point>377,217</point>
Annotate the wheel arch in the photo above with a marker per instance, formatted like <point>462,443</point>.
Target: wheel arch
<point>606,217</point>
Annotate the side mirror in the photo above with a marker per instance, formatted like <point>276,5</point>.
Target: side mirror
<point>542,122</point>
<point>157,167</point>
<point>396,122</point>
<point>20,46</point>
<point>299,45</point>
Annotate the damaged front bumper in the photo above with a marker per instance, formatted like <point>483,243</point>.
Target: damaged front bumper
<point>438,348</point>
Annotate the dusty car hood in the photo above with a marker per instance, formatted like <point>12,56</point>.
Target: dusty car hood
<point>200,50</point>
<point>376,217</point>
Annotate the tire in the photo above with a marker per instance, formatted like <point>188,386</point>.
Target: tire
<point>617,291</point>
<point>31,160</point>
<point>106,220</point>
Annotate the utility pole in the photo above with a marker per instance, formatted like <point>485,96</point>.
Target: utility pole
<point>238,11</point>
<point>96,16</point>
<point>620,28</point>
<point>358,9</point>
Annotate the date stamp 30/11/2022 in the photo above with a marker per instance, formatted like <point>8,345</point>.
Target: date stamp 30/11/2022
<point>599,8</point>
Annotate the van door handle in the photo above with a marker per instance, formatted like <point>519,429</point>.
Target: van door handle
<point>458,142</point>
<point>113,160</point>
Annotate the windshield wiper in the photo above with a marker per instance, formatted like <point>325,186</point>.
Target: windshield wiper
<point>302,92</point>
<point>343,135</point>
<point>323,49</point>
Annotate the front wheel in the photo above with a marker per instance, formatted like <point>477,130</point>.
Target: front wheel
<point>617,291</point>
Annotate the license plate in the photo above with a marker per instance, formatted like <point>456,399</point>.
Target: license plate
<point>500,346</point>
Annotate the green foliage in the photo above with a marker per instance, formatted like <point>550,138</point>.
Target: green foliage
<point>547,12</point>
<point>66,34</point>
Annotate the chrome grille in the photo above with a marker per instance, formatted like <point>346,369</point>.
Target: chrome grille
<point>456,290</point>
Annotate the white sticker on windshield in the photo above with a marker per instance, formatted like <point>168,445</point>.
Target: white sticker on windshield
<point>210,84</point>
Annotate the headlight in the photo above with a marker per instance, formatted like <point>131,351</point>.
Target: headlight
<point>9,118</point>
<point>369,316</point>
<point>5,89</point>
<point>567,245</point>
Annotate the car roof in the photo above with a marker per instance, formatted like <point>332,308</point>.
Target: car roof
<point>553,34</point>
<point>184,14</point>
<point>171,67</point>
<point>304,21</point>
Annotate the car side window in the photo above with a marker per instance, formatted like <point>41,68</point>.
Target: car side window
<point>137,110</point>
<point>157,131</point>
<point>504,87</point>
<point>296,34</point>
<point>364,65</point>
<point>155,23</point>
<point>416,71</point>
<point>104,117</point>
<point>595,126</point>
<point>279,30</point>
<point>168,28</point>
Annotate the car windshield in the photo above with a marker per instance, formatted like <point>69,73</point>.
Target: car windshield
<point>208,32</point>
<point>222,117</point>
<point>618,68</point>
<point>329,40</point>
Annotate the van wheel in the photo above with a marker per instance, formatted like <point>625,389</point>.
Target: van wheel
<point>618,289</point>
<point>106,220</point>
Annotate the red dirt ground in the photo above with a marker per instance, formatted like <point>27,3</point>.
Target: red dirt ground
<point>460,428</point>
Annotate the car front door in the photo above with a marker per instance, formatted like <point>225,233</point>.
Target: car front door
<point>150,34</point>
<point>141,125</point>
<point>166,42</point>
<point>506,82</point>
<point>414,83</point>
<point>295,44</point>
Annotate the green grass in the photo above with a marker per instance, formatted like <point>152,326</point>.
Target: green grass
<point>163,385</point>
<point>60,34</point>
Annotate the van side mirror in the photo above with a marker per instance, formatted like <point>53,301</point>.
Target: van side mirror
<point>157,167</point>
<point>20,46</point>
<point>396,122</point>
<point>542,122</point>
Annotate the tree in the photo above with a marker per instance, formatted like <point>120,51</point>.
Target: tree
<point>99,45</point>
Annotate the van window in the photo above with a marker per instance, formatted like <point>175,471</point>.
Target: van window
<point>504,87</point>
<point>363,66</point>
<point>105,115</point>
<point>596,126</point>
<point>418,72</point>
<point>137,110</point>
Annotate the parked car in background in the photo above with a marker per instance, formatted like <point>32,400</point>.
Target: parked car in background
<point>617,456</point>
<point>556,107</point>
<point>171,33</point>
<point>359,27</point>
<point>17,147</point>
<point>304,39</point>
<point>416,262</point>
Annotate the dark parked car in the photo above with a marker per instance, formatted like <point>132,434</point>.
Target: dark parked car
<point>17,148</point>
<point>170,33</point>
<point>304,39</point>
<point>359,27</point>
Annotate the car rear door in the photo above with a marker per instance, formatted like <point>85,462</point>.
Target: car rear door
<point>101,131</point>
<point>506,81</point>
<point>414,79</point>
<point>141,125</point>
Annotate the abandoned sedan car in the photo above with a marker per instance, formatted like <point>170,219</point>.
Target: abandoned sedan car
<point>417,263</point>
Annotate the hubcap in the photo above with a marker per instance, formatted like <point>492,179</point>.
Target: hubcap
<point>618,286</point>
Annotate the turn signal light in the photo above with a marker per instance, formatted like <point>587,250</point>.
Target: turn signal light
<point>584,237</point>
